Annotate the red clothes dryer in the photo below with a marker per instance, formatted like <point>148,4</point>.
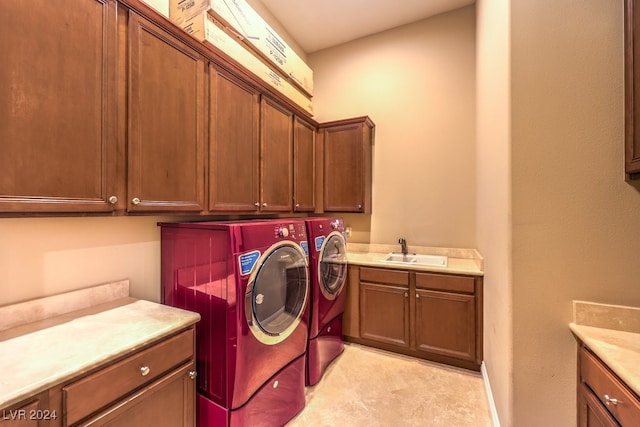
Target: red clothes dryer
<point>328,268</point>
<point>249,280</point>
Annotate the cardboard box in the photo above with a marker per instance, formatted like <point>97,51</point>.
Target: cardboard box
<point>206,29</point>
<point>239,17</point>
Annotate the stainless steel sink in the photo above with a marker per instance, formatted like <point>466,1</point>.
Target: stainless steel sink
<point>417,259</point>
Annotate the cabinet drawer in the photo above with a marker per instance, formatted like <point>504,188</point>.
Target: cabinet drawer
<point>97,390</point>
<point>441,282</point>
<point>607,386</point>
<point>381,275</point>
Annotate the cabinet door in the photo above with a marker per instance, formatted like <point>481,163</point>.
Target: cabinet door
<point>276,158</point>
<point>632,89</point>
<point>347,169</point>
<point>168,402</point>
<point>303,166</point>
<point>591,413</point>
<point>351,317</point>
<point>446,324</point>
<point>233,144</point>
<point>57,113</point>
<point>166,121</point>
<point>384,314</point>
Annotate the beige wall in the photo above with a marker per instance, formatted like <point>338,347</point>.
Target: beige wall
<point>493,215</point>
<point>417,83</point>
<point>47,256</point>
<point>576,233</point>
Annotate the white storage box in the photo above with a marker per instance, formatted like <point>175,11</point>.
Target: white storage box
<point>205,28</point>
<point>243,20</point>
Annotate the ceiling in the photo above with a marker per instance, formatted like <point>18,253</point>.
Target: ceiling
<point>319,24</point>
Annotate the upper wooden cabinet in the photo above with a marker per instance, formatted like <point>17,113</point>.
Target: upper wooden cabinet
<point>234,131</point>
<point>59,152</point>
<point>347,165</point>
<point>276,145</point>
<point>632,89</point>
<point>250,148</point>
<point>166,121</point>
<point>304,170</point>
<point>112,110</point>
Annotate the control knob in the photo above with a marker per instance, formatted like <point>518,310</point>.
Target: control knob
<point>283,232</point>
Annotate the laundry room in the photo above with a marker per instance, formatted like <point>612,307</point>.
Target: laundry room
<point>279,212</point>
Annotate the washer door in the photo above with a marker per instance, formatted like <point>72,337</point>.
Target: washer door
<point>277,292</point>
<point>332,269</point>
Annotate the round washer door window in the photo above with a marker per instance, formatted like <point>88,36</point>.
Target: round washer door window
<point>277,292</point>
<point>332,270</point>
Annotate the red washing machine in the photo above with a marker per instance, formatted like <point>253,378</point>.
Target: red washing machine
<point>328,267</point>
<point>249,280</point>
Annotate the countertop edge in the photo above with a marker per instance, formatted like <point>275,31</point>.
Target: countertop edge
<point>42,384</point>
<point>604,343</point>
<point>468,267</point>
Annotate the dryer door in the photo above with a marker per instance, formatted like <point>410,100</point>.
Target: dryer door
<point>277,292</point>
<point>332,270</point>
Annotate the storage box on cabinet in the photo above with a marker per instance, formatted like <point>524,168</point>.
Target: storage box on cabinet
<point>252,31</point>
<point>204,27</point>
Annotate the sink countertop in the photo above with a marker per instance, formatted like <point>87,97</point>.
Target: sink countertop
<point>460,261</point>
<point>42,352</point>
<point>612,332</point>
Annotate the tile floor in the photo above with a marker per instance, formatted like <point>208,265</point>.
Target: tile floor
<point>370,387</point>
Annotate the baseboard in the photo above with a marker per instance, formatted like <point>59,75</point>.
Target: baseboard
<point>495,421</point>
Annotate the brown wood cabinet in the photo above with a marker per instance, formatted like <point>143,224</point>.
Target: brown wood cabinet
<point>154,385</point>
<point>449,302</point>
<point>112,110</point>
<point>276,157</point>
<point>428,315</point>
<point>304,170</point>
<point>603,398</point>
<point>37,411</point>
<point>384,306</point>
<point>57,115</point>
<point>166,121</point>
<point>347,165</point>
<point>632,88</point>
<point>234,150</point>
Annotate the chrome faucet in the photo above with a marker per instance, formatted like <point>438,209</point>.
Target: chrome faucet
<point>403,245</point>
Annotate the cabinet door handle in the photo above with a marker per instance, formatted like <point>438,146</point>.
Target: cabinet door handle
<point>611,400</point>
<point>256,204</point>
<point>113,200</point>
<point>297,205</point>
<point>418,296</point>
<point>359,206</point>
<point>144,371</point>
<point>193,374</point>
<point>406,295</point>
<point>264,205</point>
<point>135,201</point>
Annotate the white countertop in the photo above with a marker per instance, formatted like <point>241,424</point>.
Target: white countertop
<point>613,334</point>
<point>460,261</point>
<point>41,354</point>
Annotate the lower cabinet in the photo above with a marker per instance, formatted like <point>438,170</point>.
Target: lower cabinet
<point>603,398</point>
<point>34,412</point>
<point>428,315</point>
<point>384,306</point>
<point>152,386</point>
<point>150,405</point>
